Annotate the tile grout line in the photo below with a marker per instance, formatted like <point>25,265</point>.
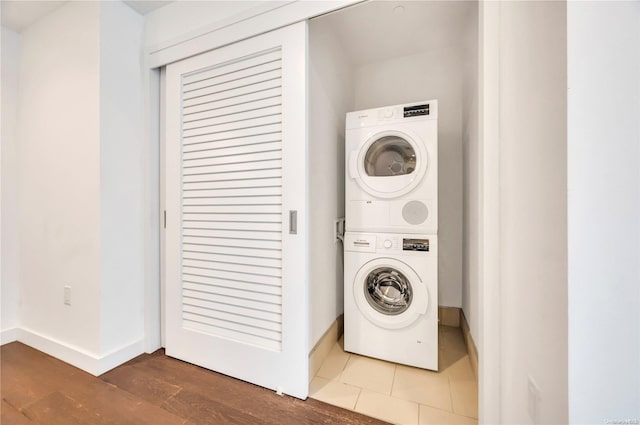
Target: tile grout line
<point>393,380</point>
<point>339,378</point>
<point>453,410</point>
<point>449,379</point>
<point>357,398</point>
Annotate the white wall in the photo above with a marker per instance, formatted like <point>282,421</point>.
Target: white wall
<point>10,278</point>
<point>533,210</point>
<point>59,176</point>
<point>121,177</point>
<point>435,74</point>
<point>471,182</point>
<point>604,211</point>
<point>81,184</point>
<point>331,97</point>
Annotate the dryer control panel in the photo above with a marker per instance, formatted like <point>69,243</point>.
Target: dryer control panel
<point>395,114</point>
<point>416,110</point>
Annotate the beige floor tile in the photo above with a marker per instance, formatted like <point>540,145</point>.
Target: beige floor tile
<point>387,408</point>
<point>446,359</point>
<point>464,396</point>
<point>457,367</point>
<point>431,416</point>
<point>371,374</point>
<point>451,340</point>
<point>422,386</point>
<point>402,394</point>
<point>334,392</point>
<point>334,364</point>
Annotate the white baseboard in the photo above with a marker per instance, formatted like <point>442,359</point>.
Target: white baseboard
<point>468,340</point>
<point>8,335</point>
<point>449,316</point>
<point>120,355</point>
<point>78,357</point>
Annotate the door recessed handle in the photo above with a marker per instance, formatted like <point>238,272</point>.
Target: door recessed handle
<point>293,222</point>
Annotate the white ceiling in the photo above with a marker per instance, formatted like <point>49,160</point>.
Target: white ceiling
<point>19,14</point>
<point>145,6</point>
<point>379,30</point>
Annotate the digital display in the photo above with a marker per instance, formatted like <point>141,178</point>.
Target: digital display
<point>414,111</point>
<point>415,244</point>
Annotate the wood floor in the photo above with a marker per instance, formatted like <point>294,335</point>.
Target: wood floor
<point>150,389</point>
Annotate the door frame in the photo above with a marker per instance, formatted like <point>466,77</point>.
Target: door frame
<point>244,26</point>
<point>489,294</point>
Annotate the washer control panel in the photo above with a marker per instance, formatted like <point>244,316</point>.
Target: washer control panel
<point>360,242</point>
<point>415,244</point>
<point>388,243</point>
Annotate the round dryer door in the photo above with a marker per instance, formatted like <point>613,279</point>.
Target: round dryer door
<point>389,293</point>
<point>389,164</point>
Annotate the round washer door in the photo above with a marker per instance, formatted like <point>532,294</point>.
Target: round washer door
<point>390,164</point>
<point>389,293</point>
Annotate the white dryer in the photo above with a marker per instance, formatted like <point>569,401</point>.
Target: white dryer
<point>391,297</point>
<point>391,158</point>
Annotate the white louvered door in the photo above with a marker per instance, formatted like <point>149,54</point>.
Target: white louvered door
<point>235,297</point>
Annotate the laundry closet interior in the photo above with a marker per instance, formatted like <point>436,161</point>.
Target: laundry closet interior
<point>373,55</point>
<point>368,55</point>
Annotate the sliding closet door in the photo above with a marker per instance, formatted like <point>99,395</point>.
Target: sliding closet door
<point>235,195</point>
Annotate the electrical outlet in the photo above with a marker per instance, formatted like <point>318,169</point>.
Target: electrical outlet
<point>67,295</point>
<point>533,400</point>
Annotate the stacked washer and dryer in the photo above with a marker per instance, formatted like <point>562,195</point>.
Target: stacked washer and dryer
<point>391,243</point>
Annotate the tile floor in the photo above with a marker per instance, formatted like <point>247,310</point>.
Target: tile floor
<point>402,394</point>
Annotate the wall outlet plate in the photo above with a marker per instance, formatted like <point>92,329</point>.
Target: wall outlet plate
<point>67,295</point>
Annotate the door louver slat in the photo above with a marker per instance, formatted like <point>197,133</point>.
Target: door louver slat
<point>250,252</point>
<point>235,278</point>
<point>232,200</point>
<point>253,122</point>
<point>233,242</point>
<point>267,300</point>
<point>258,130</point>
<point>231,305</point>
<point>231,67</point>
<point>233,117</point>
<point>238,184</point>
<point>256,231</point>
<point>226,85</point>
<point>245,100</point>
<point>191,118</point>
<point>233,94</point>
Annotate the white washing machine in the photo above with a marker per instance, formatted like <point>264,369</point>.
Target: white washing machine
<point>391,158</point>
<point>391,297</point>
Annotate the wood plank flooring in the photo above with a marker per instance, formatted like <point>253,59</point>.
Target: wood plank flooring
<point>150,389</point>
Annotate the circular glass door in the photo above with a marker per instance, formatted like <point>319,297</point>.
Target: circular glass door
<point>390,164</point>
<point>390,156</point>
<point>388,291</point>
